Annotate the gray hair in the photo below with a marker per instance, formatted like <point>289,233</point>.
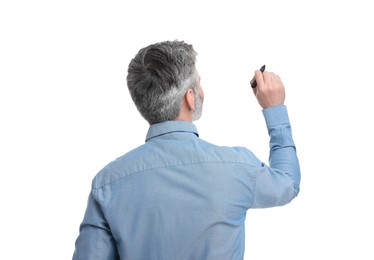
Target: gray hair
<point>159,76</point>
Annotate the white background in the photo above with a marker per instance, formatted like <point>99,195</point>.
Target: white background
<point>66,112</point>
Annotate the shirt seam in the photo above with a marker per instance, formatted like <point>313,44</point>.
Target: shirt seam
<point>255,190</point>
<point>168,166</point>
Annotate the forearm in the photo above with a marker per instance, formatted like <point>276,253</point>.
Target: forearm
<point>283,155</point>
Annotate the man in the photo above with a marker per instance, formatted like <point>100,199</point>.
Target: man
<point>177,196</point>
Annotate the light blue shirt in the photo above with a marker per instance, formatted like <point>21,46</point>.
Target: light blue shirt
<point>179,197</point>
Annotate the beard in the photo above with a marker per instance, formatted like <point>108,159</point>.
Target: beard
<point>199,100</point>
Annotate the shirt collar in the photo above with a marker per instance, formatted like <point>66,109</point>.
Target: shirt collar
<point>169,127</point>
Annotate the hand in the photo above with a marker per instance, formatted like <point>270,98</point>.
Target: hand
<point>270,90</point>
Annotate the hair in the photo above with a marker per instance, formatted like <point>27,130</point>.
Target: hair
<point>159,76</point>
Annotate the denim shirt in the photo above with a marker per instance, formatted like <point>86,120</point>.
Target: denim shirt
<point>179,197</point>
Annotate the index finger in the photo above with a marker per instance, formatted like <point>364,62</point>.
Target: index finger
<point>259,77</point>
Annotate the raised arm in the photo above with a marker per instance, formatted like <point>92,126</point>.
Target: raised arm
<point>278,183</point>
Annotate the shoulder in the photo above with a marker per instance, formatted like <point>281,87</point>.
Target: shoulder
<point>119,168</point>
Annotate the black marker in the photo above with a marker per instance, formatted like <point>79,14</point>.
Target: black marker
<point>254,83</point>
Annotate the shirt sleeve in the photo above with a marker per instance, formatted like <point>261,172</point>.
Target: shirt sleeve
<point>95,240</point>
<point>278,183</point>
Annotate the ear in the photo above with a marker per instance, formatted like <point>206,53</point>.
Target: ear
<point>190,99</point>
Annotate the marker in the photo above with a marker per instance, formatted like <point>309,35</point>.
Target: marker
<point>254,83</point>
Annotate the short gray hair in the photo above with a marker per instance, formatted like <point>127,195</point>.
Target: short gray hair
<point>159,76</point>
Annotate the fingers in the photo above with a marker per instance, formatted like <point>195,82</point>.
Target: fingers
<point>266,79</point>
<point>270,80</point>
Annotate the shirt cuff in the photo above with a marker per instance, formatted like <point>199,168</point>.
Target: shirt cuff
<point>276,115</point>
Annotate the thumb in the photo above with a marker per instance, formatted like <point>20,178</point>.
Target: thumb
<point>259,78</point>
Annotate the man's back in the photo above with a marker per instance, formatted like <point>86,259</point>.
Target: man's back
<point>177,197</point>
